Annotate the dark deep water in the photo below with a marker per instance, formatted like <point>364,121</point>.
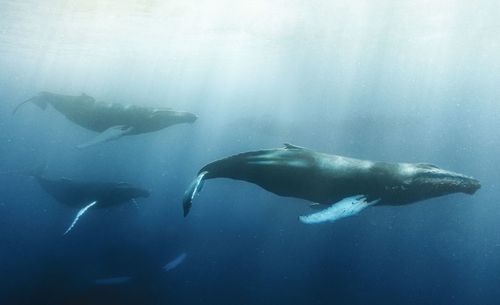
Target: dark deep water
<point>381,80</point>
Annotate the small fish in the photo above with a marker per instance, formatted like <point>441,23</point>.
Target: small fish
<point>113,280</point>
<point>175,262</point>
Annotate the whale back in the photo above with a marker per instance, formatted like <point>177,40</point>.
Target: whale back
<point>293,171</point>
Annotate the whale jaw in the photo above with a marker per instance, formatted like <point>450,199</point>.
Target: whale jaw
<point>434,182</point>
<point>448,185</point>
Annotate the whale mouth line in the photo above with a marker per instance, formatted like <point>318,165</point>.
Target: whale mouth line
<point>449,183</point>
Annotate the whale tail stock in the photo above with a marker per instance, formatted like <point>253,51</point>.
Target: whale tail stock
<point>37,100</point>
<point>193,190</point>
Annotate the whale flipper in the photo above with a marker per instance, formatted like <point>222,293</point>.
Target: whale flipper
<point>193,190</point>
<point>110,134</point>
<point>175,262</point>
<point>346,207</point>
<point>78,215</point>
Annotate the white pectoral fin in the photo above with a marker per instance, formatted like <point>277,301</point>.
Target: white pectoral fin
<point>110,134</point>
<point>346,207</point>
<point>175,262</point>
<point>78,215</point>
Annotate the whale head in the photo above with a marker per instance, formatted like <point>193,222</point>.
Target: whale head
<point>164,118</point>
<point>187,117</point>
<point>424,181</point>
<point>157,119</point>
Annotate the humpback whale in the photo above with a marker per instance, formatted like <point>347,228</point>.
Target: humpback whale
<point>111,121</point>
<point>338,186</point>
<point>86,195</point>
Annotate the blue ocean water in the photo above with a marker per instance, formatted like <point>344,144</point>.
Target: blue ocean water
<point>390,80</point>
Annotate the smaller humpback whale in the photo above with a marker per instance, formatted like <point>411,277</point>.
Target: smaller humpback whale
<point>175,262</point>
<point>339,186</point>
<point>111,121</point>
<point>86,195</point>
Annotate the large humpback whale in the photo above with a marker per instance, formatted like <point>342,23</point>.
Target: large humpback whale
<point>342,186</point>
<point>112,121</point>
<point>86,195</point>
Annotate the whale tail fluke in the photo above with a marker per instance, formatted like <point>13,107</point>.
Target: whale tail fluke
<point>193,190</point>
<point>346,207</point>
<point>37,100</point>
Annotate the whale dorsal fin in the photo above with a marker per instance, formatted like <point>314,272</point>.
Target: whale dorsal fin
<point>428,165</point>
<point>88,97</point>
<point>291,146</point>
